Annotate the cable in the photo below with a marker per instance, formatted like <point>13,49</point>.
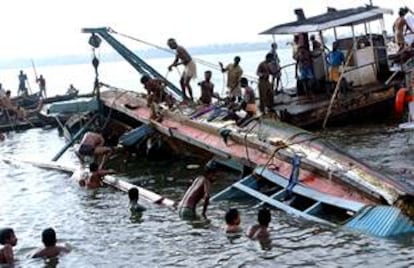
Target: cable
<point>198,60</point>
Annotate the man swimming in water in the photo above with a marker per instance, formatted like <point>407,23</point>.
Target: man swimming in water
<point>8,240</point>
<point>94,180</point>
<point>232,221</point>
<point>199,189</point>
<point>50,250</point>
<point>259,231</point>
<point>133,195</point>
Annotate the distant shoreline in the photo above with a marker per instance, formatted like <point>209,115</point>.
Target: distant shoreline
<point>146,54</point>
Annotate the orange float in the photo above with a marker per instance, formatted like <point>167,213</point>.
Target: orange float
<point>401,100</point>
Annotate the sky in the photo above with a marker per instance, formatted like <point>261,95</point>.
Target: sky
<point>48,28</point>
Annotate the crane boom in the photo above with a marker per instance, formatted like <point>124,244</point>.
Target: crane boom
<point>139,64</point>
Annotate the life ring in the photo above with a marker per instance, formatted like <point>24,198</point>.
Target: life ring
<point>400,101</point>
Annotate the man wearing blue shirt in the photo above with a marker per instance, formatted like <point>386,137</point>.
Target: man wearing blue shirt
<point>335,59</point>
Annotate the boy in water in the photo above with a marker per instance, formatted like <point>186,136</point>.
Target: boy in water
<point>259,231</point>
<point>50,250</point>
<point>232,221</point>
<point>207,89</point>
<point>94,180</point>
<point>8,240</point>
<point>133,195</point>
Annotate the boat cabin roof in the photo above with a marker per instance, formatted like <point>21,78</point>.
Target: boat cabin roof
<point>332,18</point>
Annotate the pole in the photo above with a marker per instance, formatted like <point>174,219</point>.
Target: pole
<point>74,138</point>
<point>328,112</point>
<point>34,68</point>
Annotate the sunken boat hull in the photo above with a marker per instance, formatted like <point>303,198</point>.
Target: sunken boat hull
<point>271,144</point>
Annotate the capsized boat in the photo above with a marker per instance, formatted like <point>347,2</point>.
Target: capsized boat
<point>324,170</point>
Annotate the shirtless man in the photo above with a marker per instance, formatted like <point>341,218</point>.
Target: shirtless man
<point>6,103</point>
<point>93,145</point>
<point>199,189</point>
<point>8,240</point>
<point>50,250</point>
<point>190,71</point>
<point>155,95</point>
<point>94,180</point>
<point>399,26</point>
<point>207,89</point>
<point>259,231</point>
<point>232,218</point>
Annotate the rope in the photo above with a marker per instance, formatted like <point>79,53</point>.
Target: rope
<point>245,139</point>
<point>198,60</point>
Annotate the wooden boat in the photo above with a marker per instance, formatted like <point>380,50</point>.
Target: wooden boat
<point>33,105</point>
<point>31,101</point>
<point>324,167</point>
<point>324,171</point>
<point>368,86</point>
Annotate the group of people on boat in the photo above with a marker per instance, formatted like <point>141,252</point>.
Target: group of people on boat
<point>7,108</point>
<point>24,86</point>
<point>268,73</point>
<point>8,240</point>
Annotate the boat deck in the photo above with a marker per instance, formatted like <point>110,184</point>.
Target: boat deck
<point>305,110</point>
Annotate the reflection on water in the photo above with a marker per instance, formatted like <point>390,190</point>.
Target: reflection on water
<point>103,233</point>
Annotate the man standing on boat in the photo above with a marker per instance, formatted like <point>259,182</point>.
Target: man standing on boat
<point>305,68</point>
<point>42,86</point>
<point>234,73</point>
<point>399,28</point>
<point>22,84</point>
<point>409,33</point>
<point>265,87</point>
<point>190,71</point>
<point>199,189</point>
<point>335,59</point>
<point>275,68</point>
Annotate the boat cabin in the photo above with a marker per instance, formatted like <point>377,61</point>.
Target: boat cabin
<point>368,61</point>
<point>359,34</point>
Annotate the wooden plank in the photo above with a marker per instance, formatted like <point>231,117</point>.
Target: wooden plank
<point>78,173</point>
